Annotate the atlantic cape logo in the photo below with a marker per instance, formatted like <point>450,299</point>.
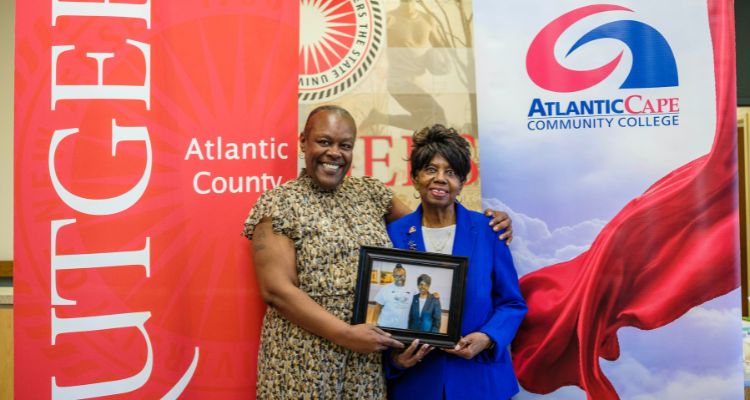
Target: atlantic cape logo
<point>653,66</point>
<point>340,40</point>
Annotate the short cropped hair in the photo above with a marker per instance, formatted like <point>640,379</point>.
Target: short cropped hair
<point>424,278</point>
<point>329,108</point>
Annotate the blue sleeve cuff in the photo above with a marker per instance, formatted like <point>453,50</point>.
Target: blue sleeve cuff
<point>490,354</point>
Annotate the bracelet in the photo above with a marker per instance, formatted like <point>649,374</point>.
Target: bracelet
<point>492,342</point>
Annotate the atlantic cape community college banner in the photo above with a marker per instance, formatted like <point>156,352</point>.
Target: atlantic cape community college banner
<point>144,132</point>
<point>608,131</point>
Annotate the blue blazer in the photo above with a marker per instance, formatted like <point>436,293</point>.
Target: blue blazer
<point>492,304</point>
<point>429,319</point>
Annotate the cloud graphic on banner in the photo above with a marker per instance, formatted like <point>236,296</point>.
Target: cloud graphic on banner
<point>564,393</point>
<point>535,245</point>
<point>641,383</point>
<point>676,348</point>
<point>648,357</point>
<point>653,60</point>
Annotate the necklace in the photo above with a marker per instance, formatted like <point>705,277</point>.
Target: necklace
<point>439,240</point>
<point>439,247</point>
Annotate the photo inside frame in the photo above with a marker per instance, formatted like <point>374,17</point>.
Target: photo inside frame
<point>412,295</point>
<point>401,304</point>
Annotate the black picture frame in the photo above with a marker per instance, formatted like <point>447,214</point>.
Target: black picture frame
<point>372,277</point>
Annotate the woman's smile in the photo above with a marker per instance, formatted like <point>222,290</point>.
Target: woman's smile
<point>328,148</point>
<point>438,193</point>
<point>438,184</point>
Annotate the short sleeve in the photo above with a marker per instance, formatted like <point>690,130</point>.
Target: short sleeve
<point>379,193</point>
<point>380,297</point>
<point>271,204</point>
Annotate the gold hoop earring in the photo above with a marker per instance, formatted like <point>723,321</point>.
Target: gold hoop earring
<point>416,195</point>
<point>301,155</point>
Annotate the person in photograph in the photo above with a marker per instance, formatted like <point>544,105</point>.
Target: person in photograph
<point>393,300</point>
<point>306,235</point>
<point>479,367</point>
<point>425,312</point>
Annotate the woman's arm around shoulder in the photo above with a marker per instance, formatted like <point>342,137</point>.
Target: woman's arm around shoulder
<point>397,210</point>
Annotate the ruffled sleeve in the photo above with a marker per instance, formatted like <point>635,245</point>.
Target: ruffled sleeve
<point>380,194</point>
<point>273,204</point>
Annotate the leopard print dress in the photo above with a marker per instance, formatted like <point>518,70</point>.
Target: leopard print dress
<point>327,228</point>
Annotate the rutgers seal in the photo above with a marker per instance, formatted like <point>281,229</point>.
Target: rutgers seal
<point>340,41</point>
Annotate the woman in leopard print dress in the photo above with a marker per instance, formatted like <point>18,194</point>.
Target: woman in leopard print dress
<point>306,236</point>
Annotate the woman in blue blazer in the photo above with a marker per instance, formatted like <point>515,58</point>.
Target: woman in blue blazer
<point>479,367</point>
<point>425,317</point>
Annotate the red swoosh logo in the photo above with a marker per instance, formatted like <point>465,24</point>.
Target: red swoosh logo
<point>542,66</point>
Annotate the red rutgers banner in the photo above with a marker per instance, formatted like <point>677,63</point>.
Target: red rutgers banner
<point>144,132</point>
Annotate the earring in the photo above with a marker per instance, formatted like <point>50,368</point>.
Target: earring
<point>301,155</point>
<point>416,195</point>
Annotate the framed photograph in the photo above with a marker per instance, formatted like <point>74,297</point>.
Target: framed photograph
<point>412,295</point>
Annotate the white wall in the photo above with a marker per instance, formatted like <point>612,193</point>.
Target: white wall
<point>7,19</point>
